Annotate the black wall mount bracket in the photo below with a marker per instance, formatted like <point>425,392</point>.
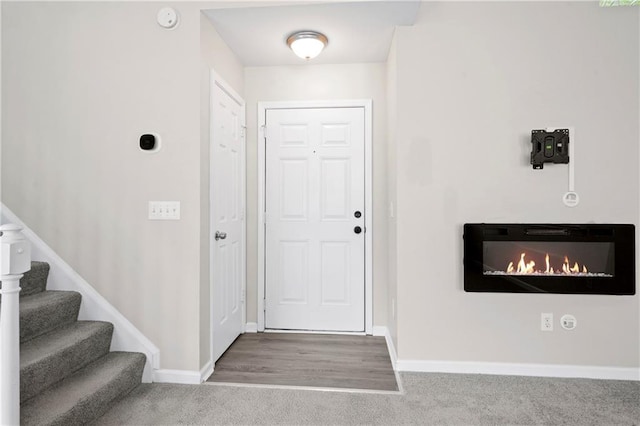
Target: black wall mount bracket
<point>549,147</point>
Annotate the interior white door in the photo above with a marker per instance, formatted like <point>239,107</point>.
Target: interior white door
<point>227,218</point>
<point>314,210</point>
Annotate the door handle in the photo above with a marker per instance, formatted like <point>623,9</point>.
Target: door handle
<point>357,230</point>
<point>220,235</point>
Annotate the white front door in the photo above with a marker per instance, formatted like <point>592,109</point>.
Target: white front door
<point>315,216</point>
<point>227,217</point>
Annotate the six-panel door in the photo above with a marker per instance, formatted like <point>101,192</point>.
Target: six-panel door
<point>227,205</point>
<point>315,203</point>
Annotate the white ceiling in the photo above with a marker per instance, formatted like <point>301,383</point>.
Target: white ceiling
<point>358,31</point>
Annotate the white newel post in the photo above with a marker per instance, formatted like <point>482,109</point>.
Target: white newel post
<point>15,260</point>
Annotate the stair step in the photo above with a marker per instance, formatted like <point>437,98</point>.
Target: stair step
<point>51,357</point>
<point>88,394</point>
<point>35,280</point>
<point>42,312</point>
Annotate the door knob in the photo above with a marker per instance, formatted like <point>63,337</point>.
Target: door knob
<point>220,235</point>
<point>357,230</point>
<point>357,214</point>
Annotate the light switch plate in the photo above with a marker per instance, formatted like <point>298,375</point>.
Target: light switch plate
<point>164,210</point>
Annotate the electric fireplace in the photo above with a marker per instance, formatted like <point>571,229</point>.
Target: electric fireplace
<point>549,258</point>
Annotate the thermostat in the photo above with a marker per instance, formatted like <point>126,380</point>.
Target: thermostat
<point>168,18</point>
<point>150,142</point>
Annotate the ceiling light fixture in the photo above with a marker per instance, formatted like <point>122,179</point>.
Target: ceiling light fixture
<point>307,44</point>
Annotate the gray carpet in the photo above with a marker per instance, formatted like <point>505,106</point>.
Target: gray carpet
<point>448,399</point>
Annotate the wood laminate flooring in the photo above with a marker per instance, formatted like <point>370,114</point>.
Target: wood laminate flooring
<point>315,360</point>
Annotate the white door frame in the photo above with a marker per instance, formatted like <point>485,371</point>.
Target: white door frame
<point>368,194</point>
<point>216,80</point>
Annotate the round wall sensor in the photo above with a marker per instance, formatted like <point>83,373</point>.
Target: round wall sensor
<point>568,322</point>
<point>168,18</point>
<point>571,199</point>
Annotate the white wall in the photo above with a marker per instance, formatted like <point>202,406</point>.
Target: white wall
<point>392,199</point>
<point>320,82</point>
<point>473,80</point>
<point>82,81</point>
<point>217,55</point>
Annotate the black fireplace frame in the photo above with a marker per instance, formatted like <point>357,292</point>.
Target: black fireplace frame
<point>623,281</point>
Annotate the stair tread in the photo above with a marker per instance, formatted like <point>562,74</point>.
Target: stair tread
<point>43,346</point>
<point>36,301</point>
<point>42,312</point>
<point>88,393</point>
<point>52,294</point>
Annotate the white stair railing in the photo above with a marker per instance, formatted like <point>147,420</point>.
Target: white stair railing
<point>15,259</point>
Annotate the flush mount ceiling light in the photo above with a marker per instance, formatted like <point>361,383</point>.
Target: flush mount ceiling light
<point>307,44</point>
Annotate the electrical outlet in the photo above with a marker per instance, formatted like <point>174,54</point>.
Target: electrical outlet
<point>546,321</point>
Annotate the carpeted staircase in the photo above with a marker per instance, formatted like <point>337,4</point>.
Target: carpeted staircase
<point>67,374</point>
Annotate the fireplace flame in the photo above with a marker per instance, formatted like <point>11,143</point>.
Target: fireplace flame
<point>525,267</point>
<point>521,264</point>
<point>546,260</point>
<point>575,268</point>
<point>528,267</point>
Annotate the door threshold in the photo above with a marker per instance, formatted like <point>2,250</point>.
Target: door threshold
<point>347,333</point>
<point>400,390</point>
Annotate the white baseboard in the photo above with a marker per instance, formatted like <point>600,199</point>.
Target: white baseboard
<point>379,330</point>
<point>508,369</point>
<point>512,369</point>
<point>126,337</point>
<point>184,377</point>
<point>251,327</point>
<point>206,371</point>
